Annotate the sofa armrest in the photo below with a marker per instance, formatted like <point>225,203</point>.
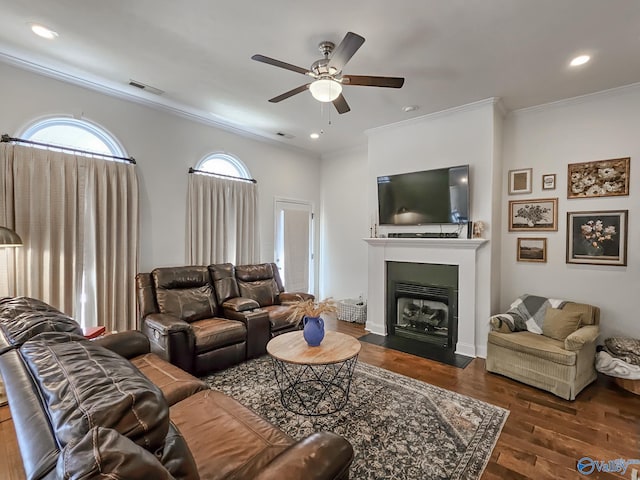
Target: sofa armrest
<point>165,323</point>
<point>127,344</point>
<point>240,304</point>
<point>258,329</point>
<point>171,339</point>
<point>287,298</point>
<point>320,456</point>
<point>498,324</point>
<point>581,337</point>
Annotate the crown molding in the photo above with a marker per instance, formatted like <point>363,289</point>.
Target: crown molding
<point>495,101</point>
<point>115,90</point>
<point>611,92</point>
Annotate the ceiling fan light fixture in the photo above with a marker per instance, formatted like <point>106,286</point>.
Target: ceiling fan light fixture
<point>325,89</point>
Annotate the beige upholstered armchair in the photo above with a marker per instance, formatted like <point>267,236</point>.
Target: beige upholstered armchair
<point>560,360</point>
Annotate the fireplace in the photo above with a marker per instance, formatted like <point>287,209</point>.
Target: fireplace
<point>458,253</point>
<point>425,313</point>
<point>422,303</point>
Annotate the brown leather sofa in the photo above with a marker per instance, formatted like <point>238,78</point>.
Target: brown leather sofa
<point>207,318</point>
<point>111,408</point>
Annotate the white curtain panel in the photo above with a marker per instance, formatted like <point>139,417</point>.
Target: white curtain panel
<point>110,244</point>
<point>78,219</point>
<point>222,221</point>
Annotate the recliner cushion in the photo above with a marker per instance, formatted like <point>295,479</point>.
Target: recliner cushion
<point>265,292</point>
<point>29,324</point>
<point>280,317</point>
<point>85,385</point>
<point>184,292</point>
<point>102,453</point>
<point>217,332</point>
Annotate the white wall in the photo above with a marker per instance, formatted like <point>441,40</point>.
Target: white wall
<point>345,222</point>
<point>165,146</point>
<point>547,139</point>
<point>466,135</point>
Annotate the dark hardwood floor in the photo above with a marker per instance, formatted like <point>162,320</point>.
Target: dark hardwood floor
<point>543,437</point>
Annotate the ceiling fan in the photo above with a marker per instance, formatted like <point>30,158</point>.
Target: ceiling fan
<point>327,73</point>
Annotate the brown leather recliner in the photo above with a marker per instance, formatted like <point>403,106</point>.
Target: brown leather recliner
<point>179,314</point>
<point>261,284</point>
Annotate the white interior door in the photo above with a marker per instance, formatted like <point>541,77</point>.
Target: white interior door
<point>294,244</point>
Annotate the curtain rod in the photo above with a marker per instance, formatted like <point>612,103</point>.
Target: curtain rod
<point>193,170</point>
<point>6,139</point>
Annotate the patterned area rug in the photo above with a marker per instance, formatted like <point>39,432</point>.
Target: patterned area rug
<point>400,428</point>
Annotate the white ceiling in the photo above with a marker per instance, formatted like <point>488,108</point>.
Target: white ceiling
<point>451,52</point>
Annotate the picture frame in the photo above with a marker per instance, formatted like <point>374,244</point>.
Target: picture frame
<point>520,181</point>
<point>601,178</point>
<point>549,181</point>
<point>538,215</point>
<point>532,250</point>
<point>597,237</point>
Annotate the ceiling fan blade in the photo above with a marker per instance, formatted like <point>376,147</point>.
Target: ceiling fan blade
<point>278,63</point>
<point>343,52</point>
<point>290,93</point>
<point>341,104</point>
<point>369,81</point>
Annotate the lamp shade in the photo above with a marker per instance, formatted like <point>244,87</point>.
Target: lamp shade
<point>325,90</point>
<point>9,238</point>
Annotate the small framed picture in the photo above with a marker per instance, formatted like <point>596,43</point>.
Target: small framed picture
<point>532,250</point>
<point>533,215</point>
<point>602,178</point>
<point>598,237</point>
<point>549,181</point>
<point>520,181</point>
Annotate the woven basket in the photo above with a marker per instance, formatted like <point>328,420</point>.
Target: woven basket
<point>350,311</point>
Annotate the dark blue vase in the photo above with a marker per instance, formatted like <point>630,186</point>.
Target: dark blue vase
<point>313,331</point>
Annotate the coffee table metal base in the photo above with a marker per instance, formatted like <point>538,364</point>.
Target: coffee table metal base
<point>314,390</point>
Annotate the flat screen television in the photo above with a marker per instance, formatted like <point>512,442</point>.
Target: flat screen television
<point>438,196</point>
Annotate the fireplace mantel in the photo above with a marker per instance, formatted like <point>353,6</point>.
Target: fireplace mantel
<point>465,243</point>
<point>450,251</point>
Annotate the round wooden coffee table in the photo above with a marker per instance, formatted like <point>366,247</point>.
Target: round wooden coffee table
<point>314,380</point>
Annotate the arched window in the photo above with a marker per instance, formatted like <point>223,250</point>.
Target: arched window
<point>92,196</point>
<point>224,164</point>
<point>79,134</point>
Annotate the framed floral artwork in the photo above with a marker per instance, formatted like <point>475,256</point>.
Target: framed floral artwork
<point>532,250</point>
<point>602,178</point>
<point>533,215</point>
<point>597,238</point>
<point>549,181</point>
<point>520,181</point>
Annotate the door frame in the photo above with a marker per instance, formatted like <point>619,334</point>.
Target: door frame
<point>312,235</point>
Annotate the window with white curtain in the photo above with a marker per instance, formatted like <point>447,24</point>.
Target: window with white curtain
<point>222,212</point>
<point>108,226</point>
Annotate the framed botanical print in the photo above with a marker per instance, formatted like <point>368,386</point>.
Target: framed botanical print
<point>602,178</point>
<point>533,215</point>
<point>532,250</point>
<point>597,237</point>
<point>520,181</point>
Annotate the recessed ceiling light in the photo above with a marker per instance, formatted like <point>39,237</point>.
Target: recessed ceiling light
<point>314,135</point>
<point>410,108</point>
<point>581,60</point>
<point>43,31</point>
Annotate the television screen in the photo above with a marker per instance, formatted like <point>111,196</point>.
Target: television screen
<point>422,198</point>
